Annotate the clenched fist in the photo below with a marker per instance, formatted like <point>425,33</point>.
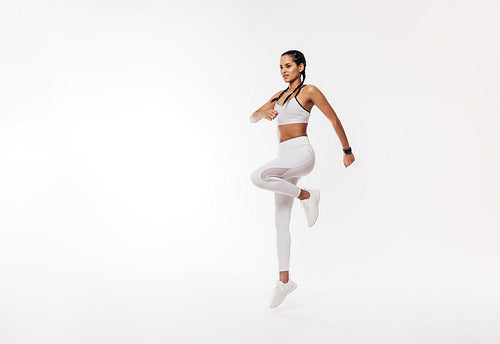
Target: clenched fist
<point>269,114</point>
<point>348,159</point>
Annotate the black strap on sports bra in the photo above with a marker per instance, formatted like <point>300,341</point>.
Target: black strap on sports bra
<point>282,93</point>
<point>287,89</point>
<point>299,90</point>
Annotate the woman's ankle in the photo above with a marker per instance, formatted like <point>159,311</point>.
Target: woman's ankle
<point>284,276</point>
<point>304,194</point>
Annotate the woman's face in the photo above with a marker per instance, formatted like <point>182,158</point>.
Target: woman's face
<point>289,70</point>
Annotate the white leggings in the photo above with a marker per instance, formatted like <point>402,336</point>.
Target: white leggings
<point>295,159</point>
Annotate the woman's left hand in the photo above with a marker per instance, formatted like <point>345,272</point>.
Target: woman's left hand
<point>348,159</point>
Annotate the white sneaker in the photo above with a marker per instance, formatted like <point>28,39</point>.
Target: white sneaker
<point>280,291</point>
<point>311,206</point>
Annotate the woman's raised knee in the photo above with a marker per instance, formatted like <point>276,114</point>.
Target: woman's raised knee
<point>256,177</point>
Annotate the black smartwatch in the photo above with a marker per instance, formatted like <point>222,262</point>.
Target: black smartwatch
<point>348,150</point>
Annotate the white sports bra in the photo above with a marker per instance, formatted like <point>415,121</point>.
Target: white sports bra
<point>291,112</point>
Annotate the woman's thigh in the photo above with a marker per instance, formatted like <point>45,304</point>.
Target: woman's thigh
<point>296,162</point>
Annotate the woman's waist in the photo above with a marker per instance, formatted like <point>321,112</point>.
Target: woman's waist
<point>290,131</point>
<point>295,142</point>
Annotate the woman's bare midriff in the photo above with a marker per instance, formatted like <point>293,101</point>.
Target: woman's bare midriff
<point>289,131</point>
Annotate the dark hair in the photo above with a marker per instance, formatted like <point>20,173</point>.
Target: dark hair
<point>298,58</point>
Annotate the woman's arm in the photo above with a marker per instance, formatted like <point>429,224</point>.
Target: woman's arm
<point>256,116</point>
<point>320,101</point>
<point>259,114</point>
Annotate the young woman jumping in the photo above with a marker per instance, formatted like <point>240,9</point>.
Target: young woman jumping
<point>295,159</point>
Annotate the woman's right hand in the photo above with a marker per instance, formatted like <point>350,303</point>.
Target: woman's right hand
<point>270,114</point>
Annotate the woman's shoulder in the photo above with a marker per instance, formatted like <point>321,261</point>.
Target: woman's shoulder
<point>308,90</point>
<point>310,87</point>
<point>311,91</point>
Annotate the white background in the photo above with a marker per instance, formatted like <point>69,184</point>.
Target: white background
<point>127,214</point>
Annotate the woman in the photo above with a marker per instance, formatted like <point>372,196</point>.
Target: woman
<point>295,159</point>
